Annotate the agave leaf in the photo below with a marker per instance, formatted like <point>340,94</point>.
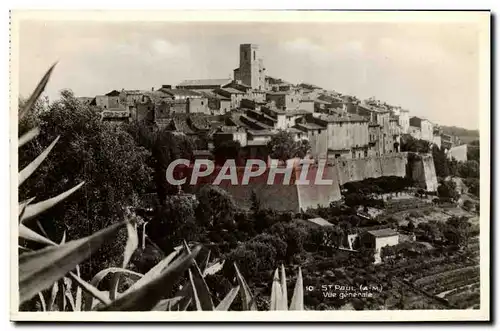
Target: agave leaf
<point>199,288</point>
<point>67,292</point>
<point>147,296</point>
<point>40,269</point>
<point>130,247</point>
<point>194,293</point>
<point>155,271</point>
<point>30,168</point>
<point>42,301</point>
<point>22,207</point>
<point>25,138</point>
<point>95,282</point>
<point>284,301</point>
<point>167,304</point>
<point>24,249</point>
<point>78,296</point>
<point>33,210</point>
<point>247,299</point>
<point>298,293</point>
<point>276,292</point>
<point>132,242</point>
<point>204,265</point>
<point>228,299</point>
<point>63,240</point>
<point>36,93</point>
<point>28,234</point>
<point>53,295</point>
<point>94,292</point>
<point>42,230</point>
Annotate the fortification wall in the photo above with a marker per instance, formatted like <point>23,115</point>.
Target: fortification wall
<point>394,164</point>
<point>423,172</point>
<point>311,195</point>
<point>353,170</point>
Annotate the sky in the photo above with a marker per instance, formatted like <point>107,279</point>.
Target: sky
<point>430,69</point>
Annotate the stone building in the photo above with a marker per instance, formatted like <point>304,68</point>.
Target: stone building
<point>425,126</point>
<point>251,70</point>
<point>377,239</point>
<point>284,100</point>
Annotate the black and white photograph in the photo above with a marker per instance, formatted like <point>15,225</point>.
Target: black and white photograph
<point>190,165</point>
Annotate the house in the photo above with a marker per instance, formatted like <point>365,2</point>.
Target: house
<point>425,126</point>
<point>376,239</point>
<point>284,100</point>
<point>217,104</point>
<point>230,133</point>
<point>109,101</point>
<point>233,94</point>
<point>204,84</point>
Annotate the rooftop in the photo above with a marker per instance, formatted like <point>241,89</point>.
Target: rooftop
<point>383,233</point>
<point>179,92</point>
<point>205,82</point>
<point>340,119</point>
<point>310,126</point>
<point>320,221</point>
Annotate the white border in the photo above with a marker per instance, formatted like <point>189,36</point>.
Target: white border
<point>481,18</point>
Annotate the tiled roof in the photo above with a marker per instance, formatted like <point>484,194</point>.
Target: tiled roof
<point>232,90</point>
<point>310,126</point>
<point>340,119</point>
<point>201,82</point>
<point>320,221</point>
<point>179,92</point>
<point>260,132</point>
<point>383,233</point>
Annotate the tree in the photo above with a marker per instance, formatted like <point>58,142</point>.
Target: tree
<point>410,144</point>
<point>216,208</point>
<point>283,147</point>
<point>448,189</point>
<point>473,185</point>
<point>440,162</point>
<point>293,234</point>
<point>167,147</point>
<point>469,169</point>
<point>103,155</point>
<point>175,221</point>
<point>227,150</point>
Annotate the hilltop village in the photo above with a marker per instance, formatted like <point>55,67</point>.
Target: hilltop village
<point>399,215</point>
<point>253,106</point>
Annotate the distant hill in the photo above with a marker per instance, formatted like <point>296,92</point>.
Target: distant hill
<point>465,135</point>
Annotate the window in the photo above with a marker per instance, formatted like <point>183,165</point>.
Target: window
<point>202,103</point>
<point>254,55</point>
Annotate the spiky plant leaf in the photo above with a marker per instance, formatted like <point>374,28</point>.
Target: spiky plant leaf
<point>23,205</point>
<point>40,269</point>
<point>67,292</point>
<point>92,291</point>
<point>194,292</point>
<point>298,293</point>
<point>28,234</point>
<point>147,296</point>
<point>276,292</point>
<point>199,287</point>
<point>36,93</point>
<point>167,304</point>
<point>247,299</point>
<point>33,210</point>
<point>28,136</point>
<point>78,296</point>
<point>30,168</point>
<point>228,299</point>
<point>42,301</point>
<point>284,300</point>
<point>53,295</point>
<point>155,271</point>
